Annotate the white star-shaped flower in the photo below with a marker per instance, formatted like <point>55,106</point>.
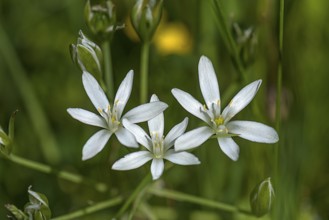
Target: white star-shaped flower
<point>158,146</point>
<point>110,118</point>
<point>218,122</point>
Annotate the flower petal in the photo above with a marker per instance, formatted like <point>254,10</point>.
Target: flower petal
<point>126,138</point>
<point>157,168</point>
<point>208,81</point>
<point>253,131</point>
<point>87,117</point>
<point>139,134</point>
<point>190,104</point>
<point>174,133</point>
<point>95,144</point>
<point>156,124</point>
<point>193,138</point>
<point>145,112</point>
<point>94,91</point>
<point>181,158</point>
<point>132,160</point>
<point>241,100</point>
<point>123,93</point>
<point>229,147</point>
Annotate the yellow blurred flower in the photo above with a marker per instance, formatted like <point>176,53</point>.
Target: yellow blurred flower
<point>173,38</point>
<point>169,38</point>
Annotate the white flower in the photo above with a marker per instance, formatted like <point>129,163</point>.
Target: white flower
<point>158,146</point>
<point>218,122</point>
<point>111,116</point>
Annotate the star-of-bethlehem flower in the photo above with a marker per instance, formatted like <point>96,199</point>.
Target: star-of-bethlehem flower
<point>110,119</point>
<point>158,146</point>
<point>219,122</point>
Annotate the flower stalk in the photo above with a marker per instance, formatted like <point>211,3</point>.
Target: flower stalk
<point>179,196</point>
<point>228,38</point>
<point>144,65</point>
<point>91,209</point>
<point>108,69</point>
<point>65,175</point>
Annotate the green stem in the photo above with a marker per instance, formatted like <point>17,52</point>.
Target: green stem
<point>279,90</point>
<point>34,109</point>
<point>91,209</point>
<point>228,38</point>
<point>133,195</point>
<point>109,80</point>
<point>144,71</point>
<point>101,187</point>
<point>175,195</point>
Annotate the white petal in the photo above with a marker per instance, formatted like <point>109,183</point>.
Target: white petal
<point>181,158</point>
<point>174,133</point>
<point>123,93</point>
<point>208,81</point>
<point>94,91</point>
<point>95,144</point>
<point>156,124</point>
<point>132,160</point>
<point>229,147</point>
<point>139,134</point>
<point>253,131</point>
<point>190,104</point>
<point>241,100</point>
<point>145,112</point>
<point>193,138</point>
<point>126,138</point>
<point>157,168</point>
<point>87,117</point>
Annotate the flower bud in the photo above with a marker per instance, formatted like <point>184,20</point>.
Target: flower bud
<point>101,19</point>
<point>87,55</point>
<point>37,207</point>
<point>17,213</point>
<point>261,198</point>
<point>6,141</point>
<point>145,18</point>
<point>247,42</point>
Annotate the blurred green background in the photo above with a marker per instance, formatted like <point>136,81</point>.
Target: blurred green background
<point>34,58</point>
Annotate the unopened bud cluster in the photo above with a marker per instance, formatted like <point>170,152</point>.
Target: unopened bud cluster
<point>145,17</point>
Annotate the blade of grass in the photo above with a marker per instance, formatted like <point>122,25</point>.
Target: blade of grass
<point>35,111</point>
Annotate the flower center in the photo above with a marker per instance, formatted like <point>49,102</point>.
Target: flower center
<point>111,117</point>
<point>157,141</point>
<point>219,121</point>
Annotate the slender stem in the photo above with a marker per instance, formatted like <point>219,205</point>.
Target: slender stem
<point>91,209</point>
<point>175,195</point>
<point>230,43</point>
<point>144,71</point>
<point>101,187</point>
<point>109,80</point>
<point>133,195</point>
<point>34,109</point>
<point>279,76</point>
<point>279,89</point>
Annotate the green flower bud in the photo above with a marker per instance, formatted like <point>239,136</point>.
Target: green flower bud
<point>87,55</point>
<point>145,18</point>
<point>261,198</point>
<point>6,141</point>
<point>37,208</point>
<point>247,42</point>
<point>101,19</point>
<point>17,213</point>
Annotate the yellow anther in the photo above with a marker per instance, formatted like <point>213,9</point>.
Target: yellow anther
<point>219,120</point>
<point>204,107</point>
<point>99,110</point>
<point>218,102</point>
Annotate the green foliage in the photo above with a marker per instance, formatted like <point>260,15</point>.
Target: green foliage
<point>40,32</point>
